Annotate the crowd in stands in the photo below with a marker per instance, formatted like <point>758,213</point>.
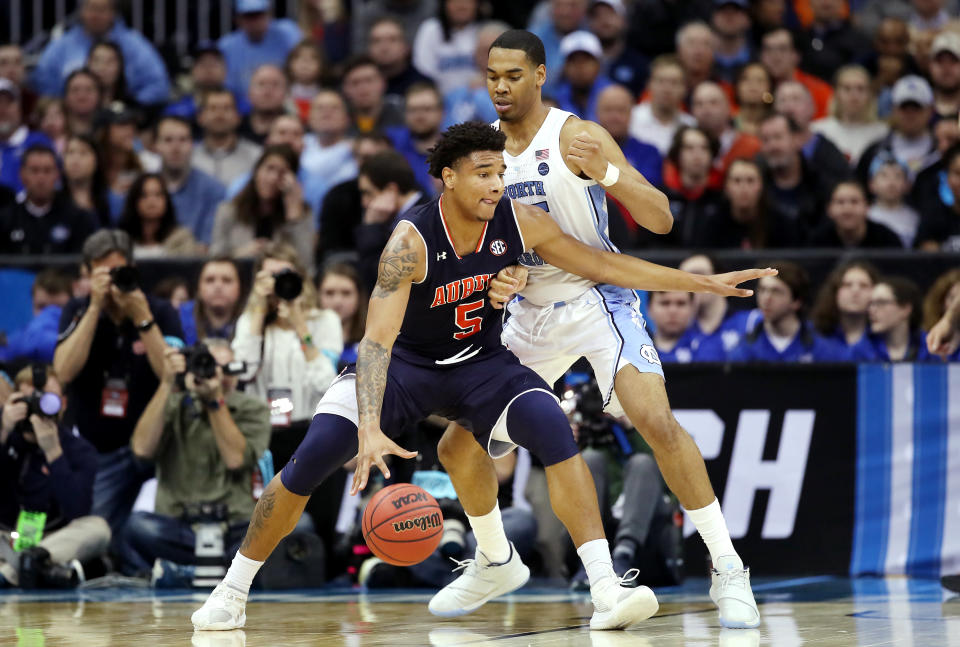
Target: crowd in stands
<point>294,147</point>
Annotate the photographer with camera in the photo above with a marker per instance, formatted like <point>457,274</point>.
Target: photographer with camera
<point>204,438</point>
<point>110,354</point>
<point>290,346</point>
<point>46,475</point>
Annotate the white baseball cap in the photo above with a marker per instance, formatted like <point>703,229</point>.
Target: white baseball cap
<point>581,41</point>
<point>912,88</point>
<point>946,41</point>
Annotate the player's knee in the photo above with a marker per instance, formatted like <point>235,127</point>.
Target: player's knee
<point>455,447</point>
<point>661,431</point>
<point>330,442</point>
<point>536,422</point>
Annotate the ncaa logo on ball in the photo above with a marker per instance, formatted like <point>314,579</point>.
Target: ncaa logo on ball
<point>543,169</point>
<point>498,247</point>
<point>407,499</point>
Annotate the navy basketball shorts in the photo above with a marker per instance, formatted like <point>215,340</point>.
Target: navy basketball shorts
<point>478,395</point>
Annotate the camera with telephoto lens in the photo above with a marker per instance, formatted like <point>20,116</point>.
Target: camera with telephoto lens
<point>43,404</point>
<point>203,365</point>
<point>583,404</point>
<point>126,278</point>
<point>287,284</point>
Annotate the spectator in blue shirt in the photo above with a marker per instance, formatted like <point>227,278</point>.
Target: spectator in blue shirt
<point>713,318</point>
<point>144,69</point>
<point>783,335</point>
<point>622,63</point>
<point>840,312</point>
<point>614,105</point>
<point>218,305</point>
<point>895,321</point>
<point>674,337</point>
<point>15,136</point>
<point>731,25</point>
<point>37,340</point>
<point>261,40</point>
<point>327,150</point>
<point>565,16</point>
<point>423,115</point>
<point>195,194</point>
<point>582,82</point>
<point>208,72</point>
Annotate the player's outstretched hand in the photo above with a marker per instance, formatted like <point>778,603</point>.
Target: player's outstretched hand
<point>943,339</point>
<point>374,445</point>
<point>509,281</point>
<point>726,284</point>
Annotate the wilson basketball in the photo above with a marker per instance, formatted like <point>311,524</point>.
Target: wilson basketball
<point>402,524</point>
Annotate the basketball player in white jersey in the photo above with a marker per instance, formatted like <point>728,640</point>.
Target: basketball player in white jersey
<point>565,165</point>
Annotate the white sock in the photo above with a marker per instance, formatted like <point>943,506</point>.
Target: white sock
<point>241,573</point>
<point>491,538</point>
<point>712,527</point>
<point>595,556</point>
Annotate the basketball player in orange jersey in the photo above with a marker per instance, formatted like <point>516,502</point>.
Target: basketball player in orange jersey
<point>564,165</point>
<point>432,346</point>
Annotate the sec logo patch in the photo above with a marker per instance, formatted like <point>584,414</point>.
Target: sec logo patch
<point>498,247</point>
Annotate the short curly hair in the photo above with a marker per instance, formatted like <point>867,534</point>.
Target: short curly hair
<point>460,141</point>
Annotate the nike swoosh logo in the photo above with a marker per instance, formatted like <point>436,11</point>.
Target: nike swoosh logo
<point>459,357</point>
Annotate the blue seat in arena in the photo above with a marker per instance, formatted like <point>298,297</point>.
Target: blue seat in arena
<point>15,286</point>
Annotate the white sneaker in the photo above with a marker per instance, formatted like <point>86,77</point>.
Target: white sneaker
<point>730,591</point>
<point>225,609</point>
<point>619,607</point>
<point>480,582</point>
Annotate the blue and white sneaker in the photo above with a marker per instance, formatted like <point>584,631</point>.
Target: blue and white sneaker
<point>480,582</point>
<point>730,591</point>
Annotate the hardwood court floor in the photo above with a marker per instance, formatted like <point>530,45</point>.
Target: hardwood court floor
<point>807,611</point>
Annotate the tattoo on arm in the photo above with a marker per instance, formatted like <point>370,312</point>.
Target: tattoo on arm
<point>372,362</point>
<point>397,263</point>
<point>261,517</point>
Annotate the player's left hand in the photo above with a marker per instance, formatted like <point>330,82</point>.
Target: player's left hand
<point>507,282</point>
<point>726,284</point>
<point>374,445</point>
<point>587,153</point>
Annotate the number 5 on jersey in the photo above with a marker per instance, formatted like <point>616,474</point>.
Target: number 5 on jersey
<point>467,324</point>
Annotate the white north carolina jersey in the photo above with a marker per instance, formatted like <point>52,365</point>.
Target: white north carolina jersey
<point>539,176</point>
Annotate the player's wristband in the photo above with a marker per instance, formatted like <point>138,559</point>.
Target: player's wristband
<point>613,174</point>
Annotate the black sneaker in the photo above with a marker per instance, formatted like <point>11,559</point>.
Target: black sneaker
<point>37,571</point>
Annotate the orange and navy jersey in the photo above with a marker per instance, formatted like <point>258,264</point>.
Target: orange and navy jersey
<point>449,319</point>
